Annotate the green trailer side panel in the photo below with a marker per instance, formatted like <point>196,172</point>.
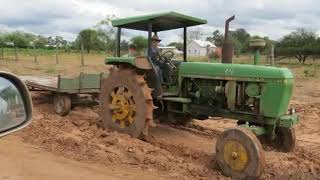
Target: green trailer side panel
<point>233,71</point>
<point>90,81</point>
<point>115,60</point>
<point>275,98</point>
<point>68,84</point>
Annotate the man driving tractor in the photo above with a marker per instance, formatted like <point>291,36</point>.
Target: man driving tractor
<point>155,55</point>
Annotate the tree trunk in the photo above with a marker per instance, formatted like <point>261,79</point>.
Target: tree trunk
<point>304,59</point>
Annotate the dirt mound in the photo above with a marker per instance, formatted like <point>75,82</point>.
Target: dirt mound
<point>78,136</point>
<point>174,151</point>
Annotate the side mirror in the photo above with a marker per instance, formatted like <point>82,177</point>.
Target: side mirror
<point>15,104</point>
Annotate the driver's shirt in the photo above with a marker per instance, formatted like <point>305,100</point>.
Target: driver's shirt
<point>154,55</point>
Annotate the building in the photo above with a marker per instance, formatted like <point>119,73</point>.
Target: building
<point>197,48</point>
<point>164,49</point>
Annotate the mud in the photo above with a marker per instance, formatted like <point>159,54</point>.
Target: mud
<point>180,152</point>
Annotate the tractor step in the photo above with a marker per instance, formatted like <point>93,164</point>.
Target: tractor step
<point>166,94</point>
<point>178,99</point>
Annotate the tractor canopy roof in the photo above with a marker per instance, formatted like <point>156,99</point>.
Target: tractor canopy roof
<point>160,21</point>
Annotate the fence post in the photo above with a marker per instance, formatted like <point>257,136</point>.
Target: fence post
<point>15,53</point>
<point>57,60</point>
<point>2,51</point>
<point>82,60</point>
<point>35,53</point>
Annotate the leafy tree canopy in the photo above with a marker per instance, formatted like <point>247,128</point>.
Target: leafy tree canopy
<point>299,44</point>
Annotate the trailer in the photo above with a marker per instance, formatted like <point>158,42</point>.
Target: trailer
<point>64,89</point>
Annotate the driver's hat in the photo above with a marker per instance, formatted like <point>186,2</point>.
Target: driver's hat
<point>155,38</point>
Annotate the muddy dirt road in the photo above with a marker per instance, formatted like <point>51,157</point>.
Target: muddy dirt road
<point>20,161</point>
<point>76,146</point>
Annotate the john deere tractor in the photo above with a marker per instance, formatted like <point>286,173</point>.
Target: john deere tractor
<point>256,96</point>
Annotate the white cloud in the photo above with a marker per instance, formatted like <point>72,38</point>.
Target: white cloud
<point>272,18</point>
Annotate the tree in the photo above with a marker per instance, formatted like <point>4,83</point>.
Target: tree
<point>124,45</point>
<point>140,42</point>
<point>89,38</point>
<point>107,33</point>
<point>18,39</point>
<point>1,41</point>
<point>59,41</point>
<point>299,44</point>
<point>40,42</point>
<point>241,34</point>
<point>194,34</point>
<point>216,38</point>
<point>241,39</point>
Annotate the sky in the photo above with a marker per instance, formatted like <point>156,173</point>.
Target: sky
<point>273,18</point>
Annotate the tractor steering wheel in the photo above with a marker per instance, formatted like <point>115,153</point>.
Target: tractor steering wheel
<point>165,58</point>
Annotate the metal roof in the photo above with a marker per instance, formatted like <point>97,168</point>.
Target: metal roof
<point>204,43</point>
<point>160,21</point>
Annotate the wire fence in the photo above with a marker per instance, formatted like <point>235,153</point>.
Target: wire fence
<point>53,56</point>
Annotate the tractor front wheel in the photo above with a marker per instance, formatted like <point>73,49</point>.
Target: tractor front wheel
<point>126,102</point>
<point>285,139</point>
<point>239,154</point>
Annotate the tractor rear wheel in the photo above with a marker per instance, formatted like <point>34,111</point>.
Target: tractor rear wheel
<point>126,102</point>
<point>239,154</point>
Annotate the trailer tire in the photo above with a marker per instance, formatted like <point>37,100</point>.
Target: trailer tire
<point>61,104</point>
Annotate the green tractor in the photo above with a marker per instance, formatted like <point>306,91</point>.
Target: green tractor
<point>256,96</point>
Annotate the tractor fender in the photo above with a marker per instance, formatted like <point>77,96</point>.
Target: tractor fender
<point>152,76</point>
<point>140,63</point>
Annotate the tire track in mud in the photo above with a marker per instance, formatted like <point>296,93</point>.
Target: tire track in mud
<point>82,140</point>
<point>184,152</point>
<point>198,130</point>
<point>304,161</point>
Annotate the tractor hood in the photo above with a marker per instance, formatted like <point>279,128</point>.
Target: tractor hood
<point>244,72</point>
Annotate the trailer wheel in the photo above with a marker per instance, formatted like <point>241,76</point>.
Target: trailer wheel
<point>239,154</point>
<point>285,139</point>
<point>61,104</point>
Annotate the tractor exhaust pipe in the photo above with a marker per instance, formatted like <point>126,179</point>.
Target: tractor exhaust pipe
<point>227,46</point>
